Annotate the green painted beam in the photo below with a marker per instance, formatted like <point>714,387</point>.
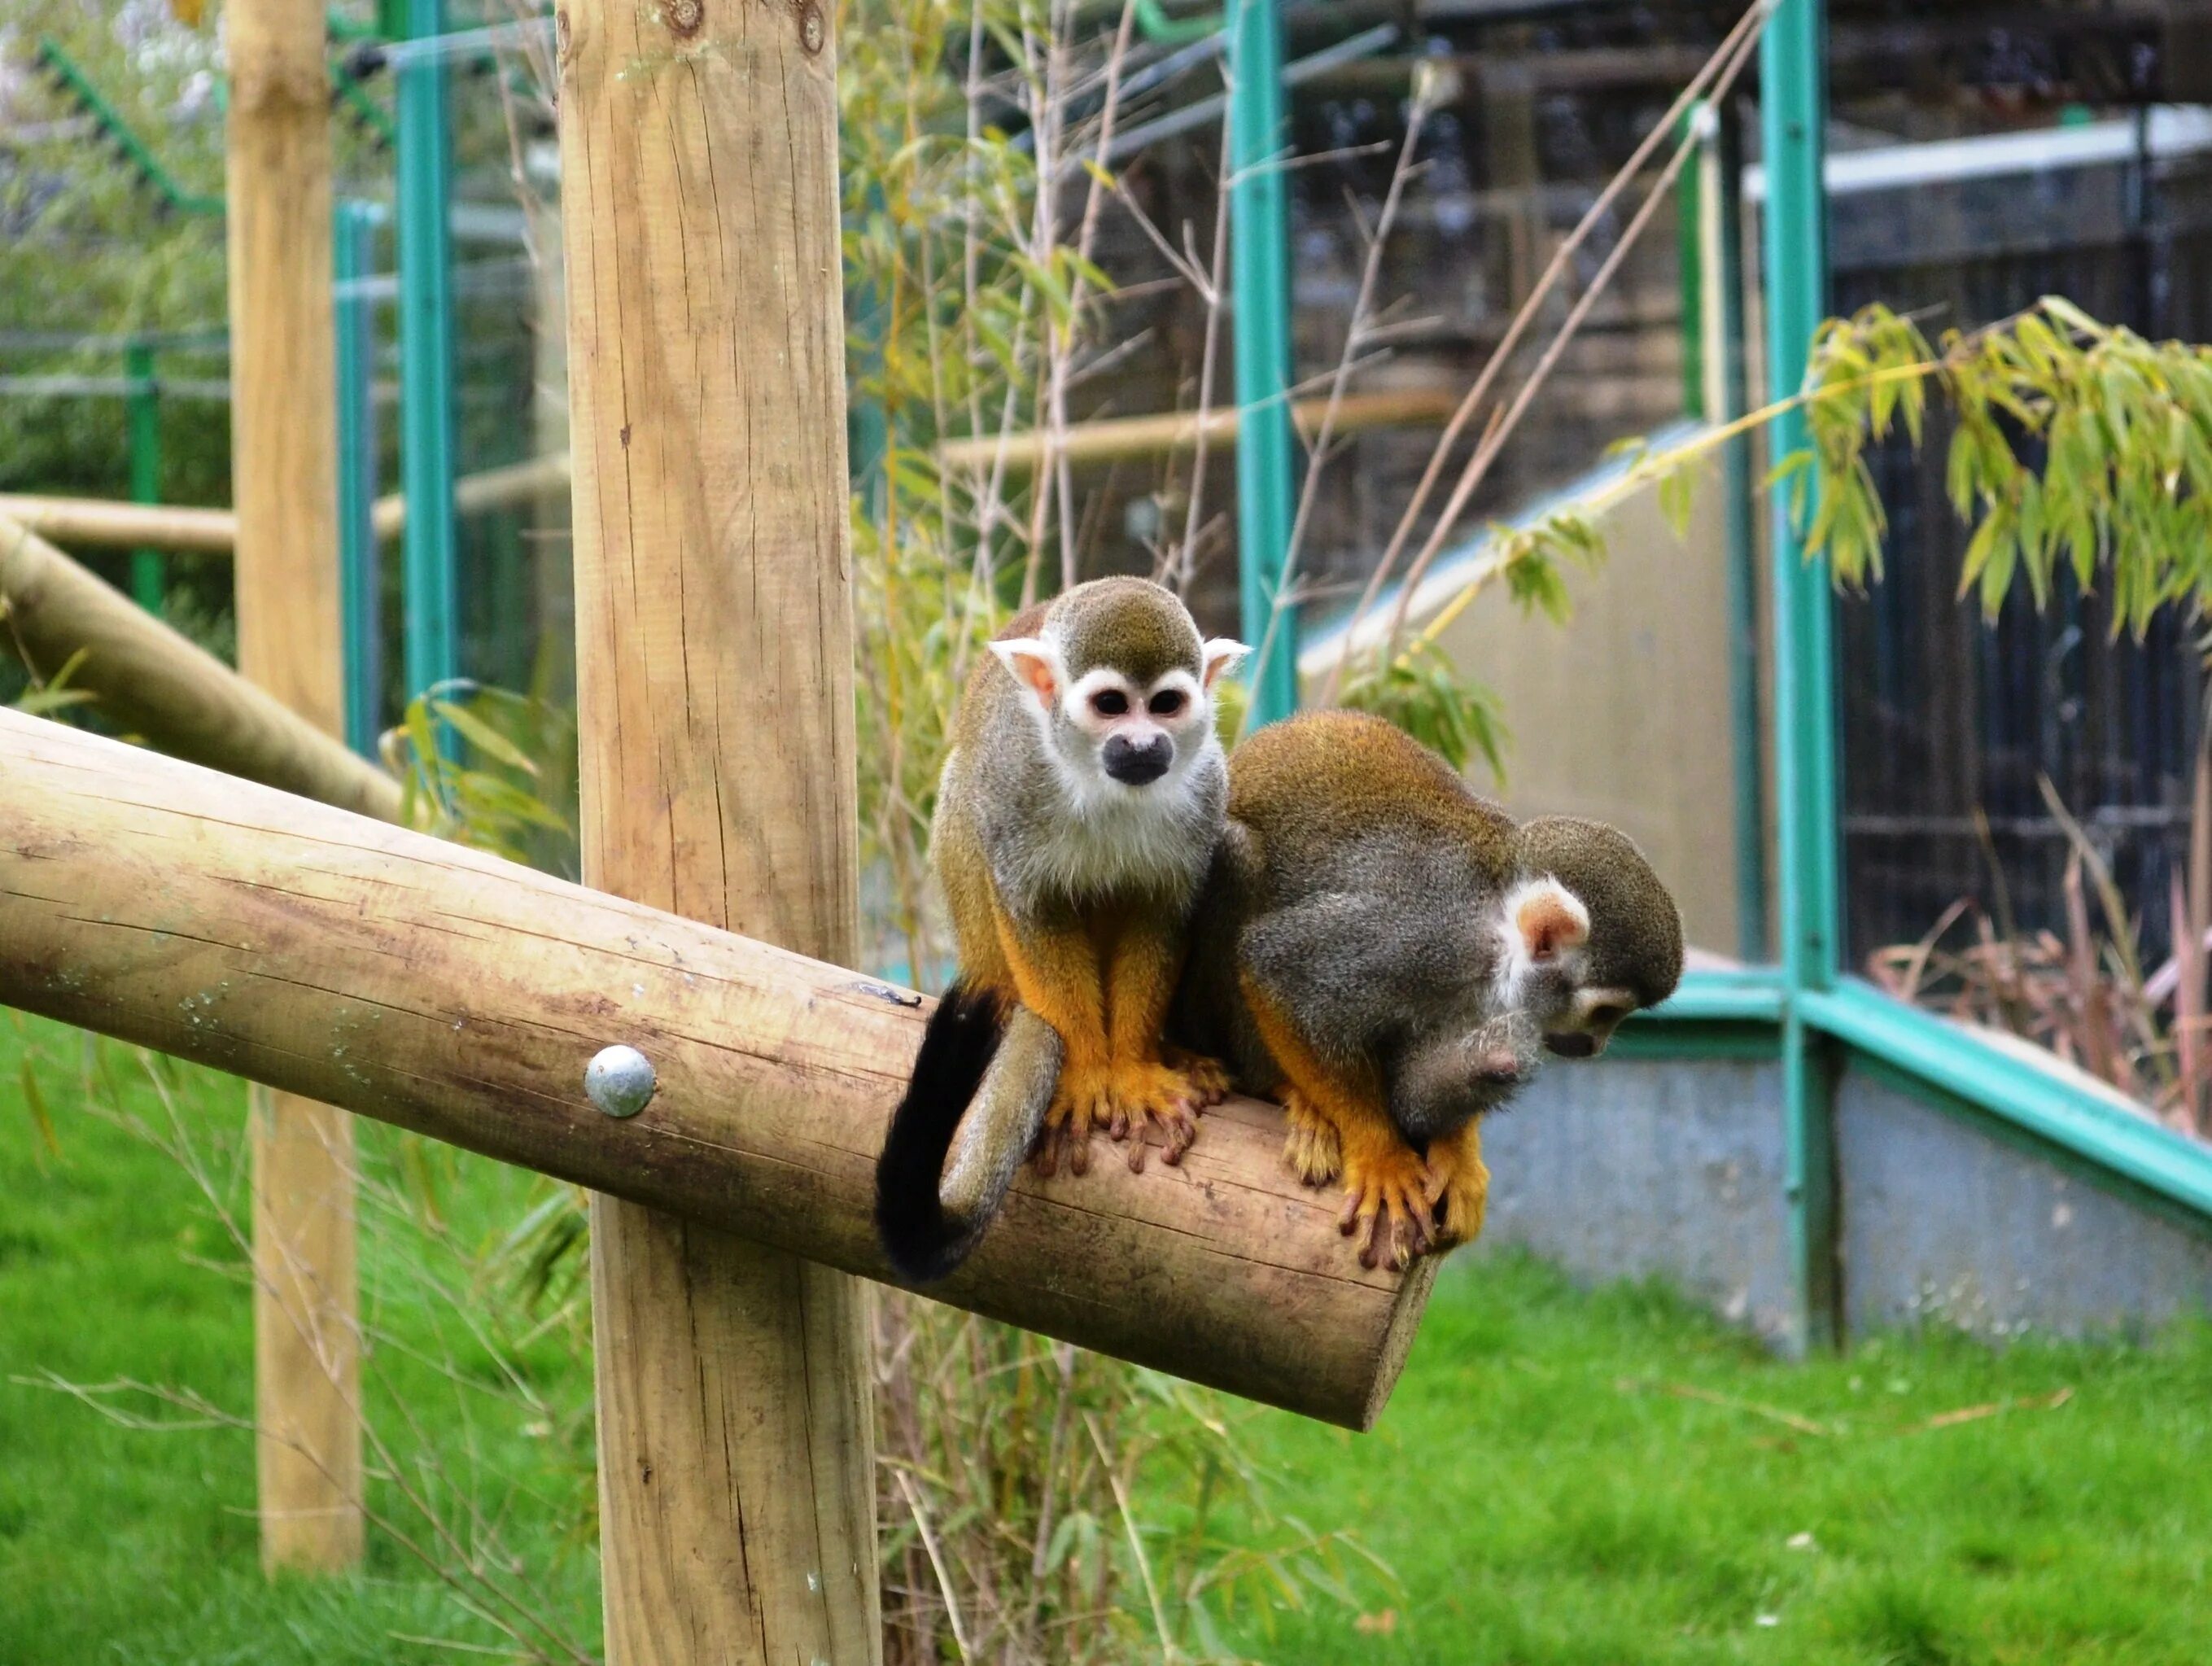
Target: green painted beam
<point>2018,1089</point>
<point>149,568</point>
<point>353,243</point>
<point>432,591</point>
<point>1259,217</point>
<point>1793,114</point>
<point>73,83</point>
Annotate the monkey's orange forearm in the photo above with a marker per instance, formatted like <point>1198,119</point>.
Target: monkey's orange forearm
<point>1141,982</point>
<point>1056,974</point>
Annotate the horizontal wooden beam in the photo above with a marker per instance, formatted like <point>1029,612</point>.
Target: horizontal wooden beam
<point>155,682</point>
<point>1119,437</point>
<point>440,989</point>
<point>100,523</point>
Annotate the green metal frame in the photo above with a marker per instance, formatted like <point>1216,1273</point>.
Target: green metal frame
<point>149,568</point>
<point>432,591</point>
<point>1816,1020</point>
<point>72,82</point>
<point>1259,217</point>
<point>353,243</point>
<point>1793,115</point>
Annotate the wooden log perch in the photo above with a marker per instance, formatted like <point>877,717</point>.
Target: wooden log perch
<point>155,682</point>
<point>443,990</point>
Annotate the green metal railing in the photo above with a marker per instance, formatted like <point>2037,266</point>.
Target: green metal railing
<point>432,599</point>
<point>1259,217</point>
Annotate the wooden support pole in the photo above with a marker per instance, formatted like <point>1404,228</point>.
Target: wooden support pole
<point>447,992</point>
<point>1113,439</point>
<point>714,664</point>
<point>153,683</point>
<point>284,467</point>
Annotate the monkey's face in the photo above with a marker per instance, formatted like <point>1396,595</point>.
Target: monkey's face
<point>1121,722</point>
<point>1131,731</point>
<point>1550,967</point>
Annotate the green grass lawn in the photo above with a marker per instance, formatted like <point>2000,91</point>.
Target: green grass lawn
<point>1563,1476</point>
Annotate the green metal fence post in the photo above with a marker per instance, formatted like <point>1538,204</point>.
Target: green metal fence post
<point>149,568</point>
<point>426,360</point>
<point>352,244</point>
<point>1753,930</point>
<point>1259,215</point>
<point>1793,110</point>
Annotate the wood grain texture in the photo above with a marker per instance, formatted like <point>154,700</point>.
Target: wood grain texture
<point>446,991</point>
<point>284,474</point>
<point>162,686</point>
<point>714,646</point>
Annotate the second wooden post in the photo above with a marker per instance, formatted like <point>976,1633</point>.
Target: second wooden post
<point>284,467</point>
<point>699,151</point>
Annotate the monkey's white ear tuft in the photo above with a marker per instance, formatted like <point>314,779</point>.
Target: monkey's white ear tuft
<point>1549,919</point>
<point>1035,666</point>
<point>1221,654</point>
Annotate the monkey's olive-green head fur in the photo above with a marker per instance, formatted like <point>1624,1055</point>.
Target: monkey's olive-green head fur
<point>1636,930</point>
<point>1138,628</point>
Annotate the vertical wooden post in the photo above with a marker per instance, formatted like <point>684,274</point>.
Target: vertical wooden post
<point>284,461</point>
<point>699,151</point>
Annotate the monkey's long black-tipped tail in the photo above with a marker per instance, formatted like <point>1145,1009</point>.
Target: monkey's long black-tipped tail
<point>923,1240</point>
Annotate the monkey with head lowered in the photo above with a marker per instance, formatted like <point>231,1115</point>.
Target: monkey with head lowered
<point>1076,817</point>
<point>1387,952</point>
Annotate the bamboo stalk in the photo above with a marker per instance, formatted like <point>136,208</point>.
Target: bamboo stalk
<point>443,990</point>
<point>1150,436</point>
<point>160,685</point>
<point>307,1333</point>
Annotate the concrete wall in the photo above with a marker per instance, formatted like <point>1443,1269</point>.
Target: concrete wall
<point>1620,1169</point>
<point>1627,1168</point>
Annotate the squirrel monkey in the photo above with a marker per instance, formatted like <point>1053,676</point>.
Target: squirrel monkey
<point>1076,817</point>
<point>1390,954</point>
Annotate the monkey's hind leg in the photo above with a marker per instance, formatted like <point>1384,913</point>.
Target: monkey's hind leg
<point>1459,1185</point>
<point>1386,1204</point>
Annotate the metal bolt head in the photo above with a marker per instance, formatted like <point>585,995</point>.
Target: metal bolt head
<point>620,1081</point>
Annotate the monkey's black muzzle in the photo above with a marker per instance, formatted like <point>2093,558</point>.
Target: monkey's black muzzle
<point>1137,766</point>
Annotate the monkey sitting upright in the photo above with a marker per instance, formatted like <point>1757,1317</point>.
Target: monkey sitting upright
<point>1386,951</point>
<point>1076,816</point>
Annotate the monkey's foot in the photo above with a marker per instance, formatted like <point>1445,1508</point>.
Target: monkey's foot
<point>1153,1099</point>
<point>1311,1148</point>
<point>1459,1187</point>
<point>1083,1101</point>
<point>1386,1204</point>
<point>1208,1078</point>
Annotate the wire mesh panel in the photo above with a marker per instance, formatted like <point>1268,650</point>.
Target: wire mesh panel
<point>1952,723</point>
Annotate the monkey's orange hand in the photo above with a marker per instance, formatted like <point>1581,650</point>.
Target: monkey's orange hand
<point>1153,1099</point>
<point>1083,1101</point>
<point>1386,1204</point>
<point>1458,1186</point>
<point>1311,1149</point>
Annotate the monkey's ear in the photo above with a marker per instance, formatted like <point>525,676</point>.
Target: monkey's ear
<point>1551,919</point>
<point>1035,666</point>
<point>1221,654</point>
